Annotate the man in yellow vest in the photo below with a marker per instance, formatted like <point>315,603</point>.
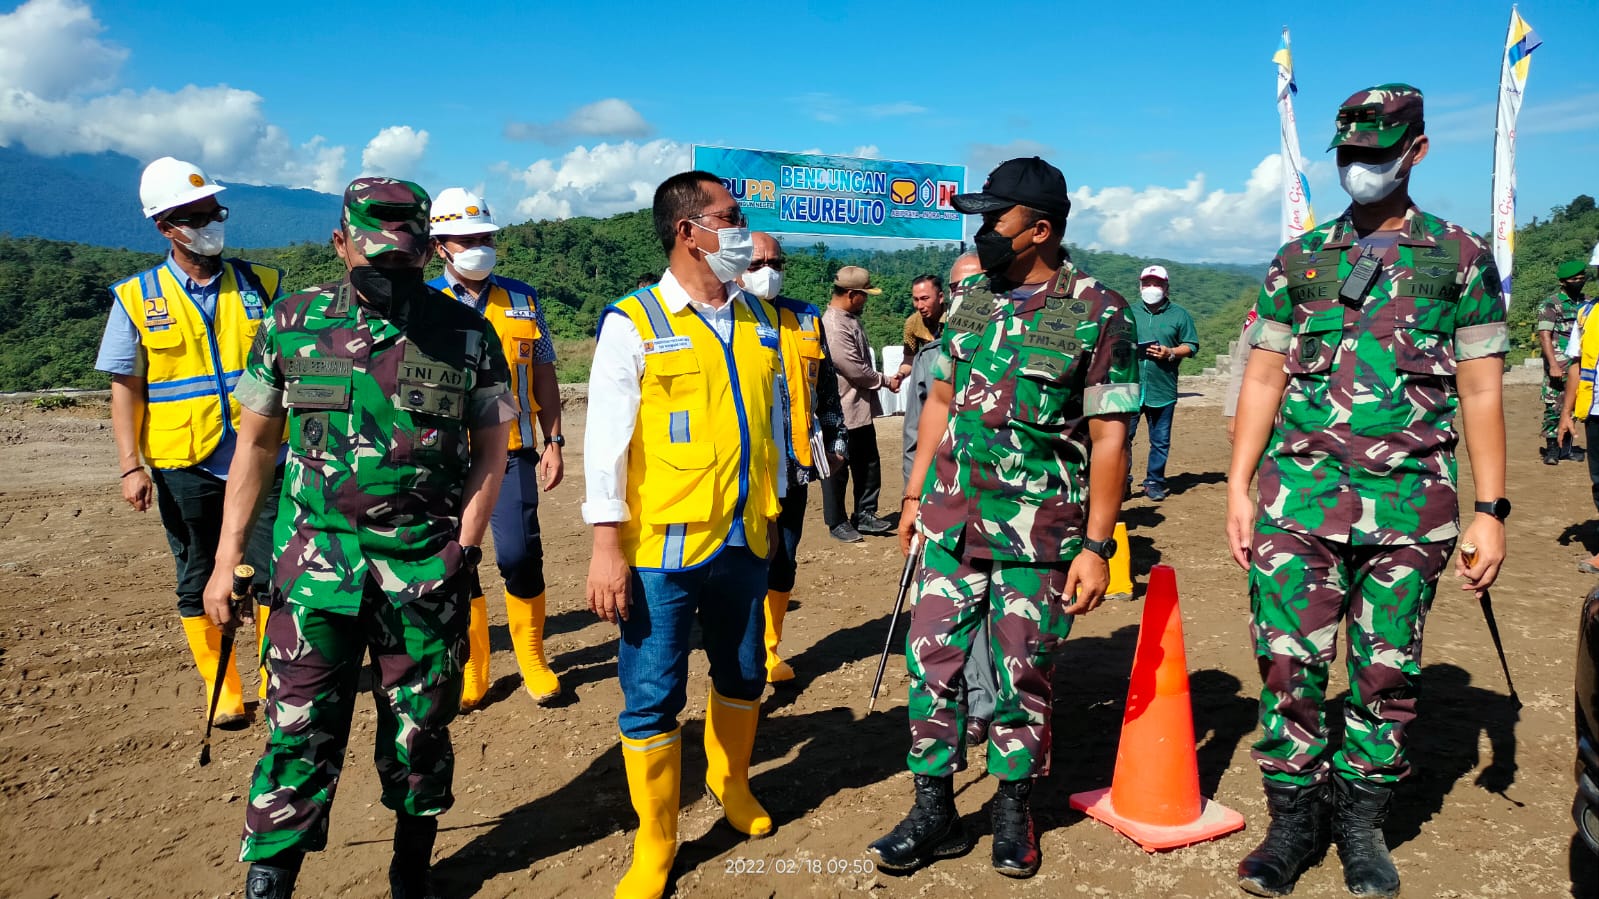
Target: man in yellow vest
<point>1582,348</point>
<point>811,409</point>
<point>463,237</point>
<point>175,345</point>
<point>681,463</point>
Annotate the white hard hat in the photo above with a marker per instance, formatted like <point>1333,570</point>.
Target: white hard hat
<point>169,183</point>
<point>1154,271</point>
<point>458,211</point>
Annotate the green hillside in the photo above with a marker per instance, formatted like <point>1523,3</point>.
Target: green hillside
<point>53,301</point>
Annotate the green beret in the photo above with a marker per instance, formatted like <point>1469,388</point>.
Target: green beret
<point>1570,269</point>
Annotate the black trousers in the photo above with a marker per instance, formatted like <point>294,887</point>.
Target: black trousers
<point>865,467</point>
<point>1591,429</point>
<point>786,532</point>
<point>190,503</point>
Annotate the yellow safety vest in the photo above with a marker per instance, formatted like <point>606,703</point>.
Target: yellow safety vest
<point>193,363</point>
<point>702,456</point>
<point>512,310</point>
<point>801,328</point>
<point>1590,360</point>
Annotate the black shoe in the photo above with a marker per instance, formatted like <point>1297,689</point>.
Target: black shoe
<point>1551,454</point>
<point>869,524</point>
<point>269,882</point>
<point>410,872</point>
<point>1296,836</point>
<point>847,533</point>
<point>1015,842</point>
<point>932,829</point>
<point>1154,492</point>
<point>1359,811</point>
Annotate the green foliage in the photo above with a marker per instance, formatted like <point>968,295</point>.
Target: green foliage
<point>53,301</point>
<point>55,401</point>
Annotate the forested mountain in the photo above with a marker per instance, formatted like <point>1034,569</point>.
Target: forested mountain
<point>94,199</point>
<point>53,300</point>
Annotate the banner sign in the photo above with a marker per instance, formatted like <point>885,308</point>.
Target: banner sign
<point>798,193</point>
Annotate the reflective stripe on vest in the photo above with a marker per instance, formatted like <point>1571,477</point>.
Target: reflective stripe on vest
<point>801,327</point>
<point>702,457</point>
<point>1589,362</point>
<point>513,316</point>
<point>193,361</point>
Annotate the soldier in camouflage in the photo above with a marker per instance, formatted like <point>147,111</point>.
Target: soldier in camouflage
<point>1556,317</point>
<point>1373,328</point>
<point>396,405</point>
<point>1024,430</point>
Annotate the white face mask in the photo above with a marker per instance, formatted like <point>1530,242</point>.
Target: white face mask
<point>735,249</point>
<point>205,241</point>
<point>1368,183</point>
<point>1151,295</point>
<point>473,263</point>
<point>765,282</point>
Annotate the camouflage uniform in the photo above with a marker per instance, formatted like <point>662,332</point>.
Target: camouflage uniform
<point>1003,511</point>
<point>1558,315</point>
<point>1357,508</point>
<point>380,404</point>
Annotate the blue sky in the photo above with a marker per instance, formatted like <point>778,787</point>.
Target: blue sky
<point>1161,114</point>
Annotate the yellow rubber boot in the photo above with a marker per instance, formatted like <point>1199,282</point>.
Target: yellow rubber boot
<point>526,617</point>
<point>205,643</point>
<point>729,738</point>
<point>261,613</point>
<point>777,670</point>
<point>654,781</point>
<point>476,681</point>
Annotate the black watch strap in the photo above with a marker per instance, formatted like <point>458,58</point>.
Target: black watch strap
<point>472,555</point>
<point>1105,549</point>
<point>1499,508</point>
<point>556,439</point>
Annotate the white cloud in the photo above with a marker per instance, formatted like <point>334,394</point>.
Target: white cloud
<point>610,117</point>
<point>55,98</point>
<point>52,49</point>
<point>601,180</point>
<point>831,108</point>
<point>1194,222</point>
<point>395,151</point>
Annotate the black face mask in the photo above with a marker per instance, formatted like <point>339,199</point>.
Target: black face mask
<point>383,288</point>
<point>995,254</point>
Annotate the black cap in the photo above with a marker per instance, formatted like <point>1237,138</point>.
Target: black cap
<point>1031,182</point>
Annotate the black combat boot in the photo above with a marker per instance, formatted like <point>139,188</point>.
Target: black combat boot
<point>410,873</point>
<point>1296,835</point>
<point>932,830</point>
<point>1551,452</point>
<point>1015,842</point>
<point>1361,809</point>
<point>274,877</point>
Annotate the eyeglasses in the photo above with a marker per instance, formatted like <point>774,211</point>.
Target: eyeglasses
<point>199,219</point>
<point>775,265</point>
<point>734,216</point>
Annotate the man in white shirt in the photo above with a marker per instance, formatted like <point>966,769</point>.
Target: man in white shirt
<point>682,484</point>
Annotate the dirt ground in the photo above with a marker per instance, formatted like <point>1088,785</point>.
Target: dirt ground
<point>101,718</point>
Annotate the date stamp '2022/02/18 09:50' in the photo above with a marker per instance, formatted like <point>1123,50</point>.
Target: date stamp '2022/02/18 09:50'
<point>803,865</point>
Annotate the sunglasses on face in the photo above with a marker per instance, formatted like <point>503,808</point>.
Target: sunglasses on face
<point>734,216</point>
<point>775,265</point>
<point>200,219</point>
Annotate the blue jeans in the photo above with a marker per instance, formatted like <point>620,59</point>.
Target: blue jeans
<point>518,547</point>
<point>1160,418</point>
<point>652,658</point>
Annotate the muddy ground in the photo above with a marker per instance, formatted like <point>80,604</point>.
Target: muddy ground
<point>100,714</point>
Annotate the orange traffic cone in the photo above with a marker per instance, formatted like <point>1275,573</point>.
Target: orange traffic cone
<point>1154,797</point>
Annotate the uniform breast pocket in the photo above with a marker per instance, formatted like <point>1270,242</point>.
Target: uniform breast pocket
<point>1042,388</point>
<point>963,345</point>
<point>673,381</point>
<point>1318,328</point>
<point>1424,342</point>
<point>315,403</point>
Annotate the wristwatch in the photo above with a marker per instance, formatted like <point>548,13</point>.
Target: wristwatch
<point>1105,549</point>
<point>1499,508</point>
<point>472,555</point>
<point>556,439</point>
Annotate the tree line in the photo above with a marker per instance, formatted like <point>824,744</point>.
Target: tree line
<point>54,302</point>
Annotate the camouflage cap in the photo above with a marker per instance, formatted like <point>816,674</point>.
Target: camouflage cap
<point>1571,269</point>
<point>382,215</point>
<point>1378,116</point>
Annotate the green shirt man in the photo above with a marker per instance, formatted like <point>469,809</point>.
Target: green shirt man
<point>1166,336</point>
